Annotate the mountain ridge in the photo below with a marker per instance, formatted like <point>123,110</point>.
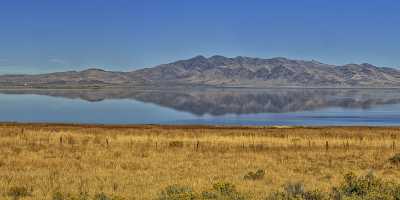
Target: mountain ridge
<point>221,71</point>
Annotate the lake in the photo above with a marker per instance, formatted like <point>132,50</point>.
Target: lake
<point>311,107</point>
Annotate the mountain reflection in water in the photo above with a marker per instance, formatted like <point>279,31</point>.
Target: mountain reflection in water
<point>217,102</point>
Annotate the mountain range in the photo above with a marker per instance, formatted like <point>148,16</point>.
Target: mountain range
<point>220,71</point>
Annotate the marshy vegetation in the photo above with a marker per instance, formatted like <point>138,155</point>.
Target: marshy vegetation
<point>88,162</point>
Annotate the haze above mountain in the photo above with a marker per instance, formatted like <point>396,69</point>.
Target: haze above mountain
<point>221,71</point>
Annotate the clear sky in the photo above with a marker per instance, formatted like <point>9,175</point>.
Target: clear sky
<point>55,35</point>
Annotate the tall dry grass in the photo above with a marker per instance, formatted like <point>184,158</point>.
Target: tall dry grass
<point>137,162</point>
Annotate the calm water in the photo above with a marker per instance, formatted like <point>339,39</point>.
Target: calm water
<point>378,107</point>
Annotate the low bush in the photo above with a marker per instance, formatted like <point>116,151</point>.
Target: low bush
<point>176,192</point>
<point>367,187</point>
<point>83,196</point>
<point>219,191</point>
<point>296,191</point>
<point>68,196</point>
<point>222,191</point>
<point>354,187</point>
<point>101,196</point>
<point>60,196</point>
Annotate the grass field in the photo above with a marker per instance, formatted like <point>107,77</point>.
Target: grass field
<point>40,161</point>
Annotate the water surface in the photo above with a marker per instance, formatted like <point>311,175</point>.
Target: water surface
<point>375,107</point>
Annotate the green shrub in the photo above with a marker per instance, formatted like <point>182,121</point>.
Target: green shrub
<point>206,195</point>
<point>314,195</point>
<point>224,188</point>
<point>219,191</point>
<point>367,187</point>
<point>59,196</point>
<point>296,191</point>
<point>176,192</point>
<point>259,174</point>
<point>222,191</point>
<point>360,186</point>
<point>101,196</point>
<point>83,196</point>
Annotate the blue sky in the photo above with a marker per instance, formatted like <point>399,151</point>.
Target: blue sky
<point>47,35</point>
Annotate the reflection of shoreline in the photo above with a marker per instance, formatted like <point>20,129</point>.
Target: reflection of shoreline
<point>217,102</point>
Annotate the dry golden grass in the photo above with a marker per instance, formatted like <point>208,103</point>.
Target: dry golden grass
<point>137,162</point>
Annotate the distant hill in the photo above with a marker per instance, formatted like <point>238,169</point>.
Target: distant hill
<point>222,72</point>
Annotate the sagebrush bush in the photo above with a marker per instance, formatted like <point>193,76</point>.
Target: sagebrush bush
<point>84,196</point>
<point>176,192</point>
<point>61,196</point>
<point>296,191</point>
<point>58,196</point>
<point>354,187</point>
<point>223,191</point>
<point>101,196</point>
<point>367,187</point>
<point>219,191</point>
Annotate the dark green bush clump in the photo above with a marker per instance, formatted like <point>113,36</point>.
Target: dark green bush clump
<point>60,196</point>
<point>84,196</point>
<point>296,191</point>
<point>176,192</point>
<point>366,187</point>
<point>220,191</point>
<point>258,175</point>
<point>101,196</point>
<point>354,187</point>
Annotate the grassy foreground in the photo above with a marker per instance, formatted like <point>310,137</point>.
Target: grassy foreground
<point>41,161</point>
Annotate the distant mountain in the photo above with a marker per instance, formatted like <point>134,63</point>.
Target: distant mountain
<point>222,72</point>
<point>89,77</point>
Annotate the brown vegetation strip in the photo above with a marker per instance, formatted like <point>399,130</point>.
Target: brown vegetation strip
<point>139,161</point>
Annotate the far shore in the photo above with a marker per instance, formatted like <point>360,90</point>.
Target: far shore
<point>185,87</point>
<point>178,126</point>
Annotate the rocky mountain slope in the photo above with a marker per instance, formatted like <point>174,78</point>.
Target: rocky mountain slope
<point>222,71</point>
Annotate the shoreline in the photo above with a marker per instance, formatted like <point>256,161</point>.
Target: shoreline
<point>183,126</point>
<point>195,87</point>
